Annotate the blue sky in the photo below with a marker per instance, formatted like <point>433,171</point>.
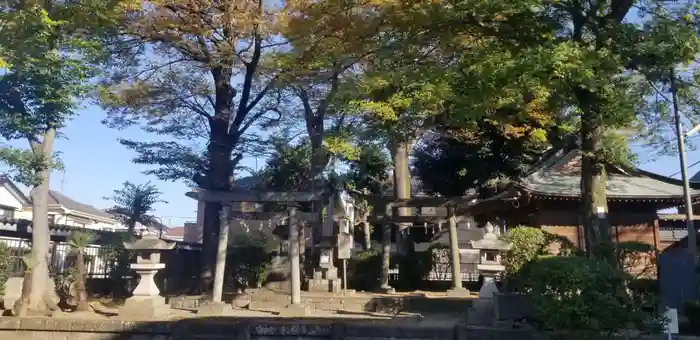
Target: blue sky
<point>96,164</point>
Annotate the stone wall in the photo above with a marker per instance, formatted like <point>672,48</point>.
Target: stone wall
<point>252,329</point>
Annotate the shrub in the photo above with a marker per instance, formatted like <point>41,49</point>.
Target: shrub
<point>637,258</point>
<point>415,266</point>
<point>251,259</point>
<point>5,266</point>
<point>585,298</point>
<point>527,244</point>
<point>691,310</point>
<point>364,270</point>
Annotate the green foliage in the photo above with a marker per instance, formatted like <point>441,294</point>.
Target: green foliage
<point>134,204</point>
<point>527,244</point>
<point>451,162</point>
<point>289,167</point>
<point>251,259</point>
<point>363,270</point>
<point>369,172</point>
<point>691,310</point>
<point>50,63</point>
<point>585,299</point>
<point>637,258</point>
<point>80,239</point>
<point>5,266</point>
<point>112,250</point>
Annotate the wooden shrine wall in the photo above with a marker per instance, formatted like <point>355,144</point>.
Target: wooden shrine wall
<point>626,226</point>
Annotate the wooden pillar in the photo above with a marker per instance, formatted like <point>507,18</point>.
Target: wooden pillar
<point>454,249</point>
<point>221,251</point>
<point>294,266</point>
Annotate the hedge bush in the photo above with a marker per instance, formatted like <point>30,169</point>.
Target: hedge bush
<point>527,244</point>
<point>5,266</point>
<point>585,298</point>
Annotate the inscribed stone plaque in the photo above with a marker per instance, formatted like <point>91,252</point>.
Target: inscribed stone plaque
<point>345,245</point>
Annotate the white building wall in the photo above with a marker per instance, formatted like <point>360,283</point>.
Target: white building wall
<point>63,219</point>
<point>6,199</point>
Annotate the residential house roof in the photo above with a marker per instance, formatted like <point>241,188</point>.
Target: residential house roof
<point>14,191</point>
<point>58,199</point>
<point>559,174</point>
<point>695,178</point>
<point>174,233</point>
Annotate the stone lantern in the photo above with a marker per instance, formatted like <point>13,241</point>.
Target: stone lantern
<point>490,266</point>
<point>146,299</point>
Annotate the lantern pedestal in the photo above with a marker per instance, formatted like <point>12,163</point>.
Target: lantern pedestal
<point>146,301</point>
<point>490,267</point>
<point>325,276</point>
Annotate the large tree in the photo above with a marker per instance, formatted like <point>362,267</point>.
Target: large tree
<point>592,61</point>
<point>196,71</point>
<point>50,61</point>
<point>452,162</point>
<point>368,175</point>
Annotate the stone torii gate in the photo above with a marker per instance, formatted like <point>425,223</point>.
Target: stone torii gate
<point>389,213</point>
<point>294,219</point>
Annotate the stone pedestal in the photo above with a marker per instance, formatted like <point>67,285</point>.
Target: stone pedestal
<point>488,287</point>
<point>145,307</point>
<point>293,311</point>
<point>212,308</point>
<point>483,309</point>
<point>458,292</point>
<point>325,280</point>
<point>146,300</point>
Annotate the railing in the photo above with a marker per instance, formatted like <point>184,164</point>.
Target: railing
<point>672,234</point>
<point>97,264</point>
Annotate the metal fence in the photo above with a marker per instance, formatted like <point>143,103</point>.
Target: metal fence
<point>98,264</point>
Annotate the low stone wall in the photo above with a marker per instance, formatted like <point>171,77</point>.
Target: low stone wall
<point>251,329</point>
<point>386,304</point>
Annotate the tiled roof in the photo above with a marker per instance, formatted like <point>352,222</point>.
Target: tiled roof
<point>58,198</point>
<point>560,175</point>
<point>175,232</point>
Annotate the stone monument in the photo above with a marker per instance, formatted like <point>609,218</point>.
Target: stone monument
<point>490,249</point>
<point>146,300</point>
<point>325,275</point>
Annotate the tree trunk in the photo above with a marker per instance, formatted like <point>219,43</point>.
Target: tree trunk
<point>367,236</point>
<point>38,298</point>
<point>219,178</point>
<point>318,163</point>
<point>80,288</point>
<point>210,239</point>
<point>593,181</point>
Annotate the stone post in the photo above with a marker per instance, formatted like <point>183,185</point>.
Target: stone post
<point>294,265</point>
<point>454,252</point>
<point>386,252</point>
<point>221,251</point>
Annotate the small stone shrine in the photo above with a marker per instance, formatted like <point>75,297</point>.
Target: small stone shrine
<point>490,267</point>
<point>146,300</point>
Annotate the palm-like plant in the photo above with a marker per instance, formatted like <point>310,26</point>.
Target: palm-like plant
<point>134,204</point>
<point>78,241</point>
